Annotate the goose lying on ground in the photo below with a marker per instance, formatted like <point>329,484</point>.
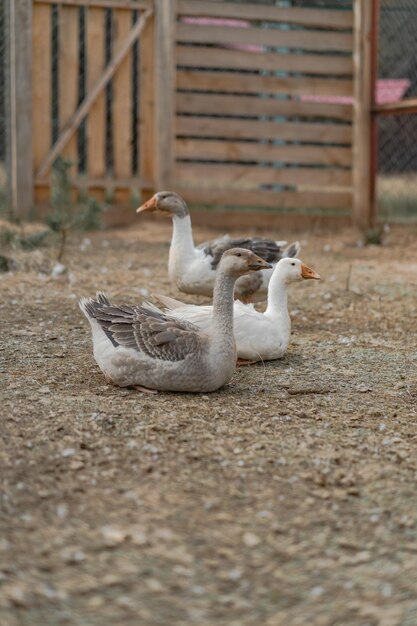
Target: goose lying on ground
<point>193,269</point>
<point>141,346</point>
<point>259,336</point>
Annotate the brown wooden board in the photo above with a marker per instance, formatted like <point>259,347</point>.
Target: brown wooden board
<point>292,15</point>
<point>68,60</point>
<point>293,39</point>
<point>241,105</point>
<point>198,149</point>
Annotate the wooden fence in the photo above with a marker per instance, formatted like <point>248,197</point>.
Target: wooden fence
<point>262,110</point>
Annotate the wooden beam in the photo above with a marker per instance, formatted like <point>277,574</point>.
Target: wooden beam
<point>146,98</point>
<point>165,19</point>
<point>396,108</point>
<point>130,5</point>
<point>92,96</point>
<point>321,18</point>
<point>362,114</point>
<point>20,55</point>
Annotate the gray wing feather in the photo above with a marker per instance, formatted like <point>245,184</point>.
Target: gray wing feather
<point>267,249</point>
<point>147,330</point>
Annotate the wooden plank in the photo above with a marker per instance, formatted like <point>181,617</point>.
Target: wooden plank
<point>41,85</point>
<point>253,175</point>
<point>147,105</point>
<point>96,121</point>
<point>362,128</point>
<point>129,5</point>
<point>203,56</point>
<point>199,149</point>
<point>396,108</point>
<point>122,99</point>
<point>68,59</point>
<point>249,83</point>
<point>165,26</point>
<point>19,41</point>
<point>294,39</point>
<point>306,17</point>
<point>250,129</point>
<point>275,199</point>
<point>254,106</point>
<point>105,182</point>
<point>91,97</point>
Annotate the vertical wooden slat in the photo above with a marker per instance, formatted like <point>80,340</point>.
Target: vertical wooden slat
<point>363,209</point>
<point>165,19</point>
<point>41,88</point>
<point>19,52</point>
<point>147,107</point>
<point>122,103</point>
<point>68,75</point>
<point>96,121</point>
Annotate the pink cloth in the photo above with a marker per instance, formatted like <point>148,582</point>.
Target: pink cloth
<point>387,90</point>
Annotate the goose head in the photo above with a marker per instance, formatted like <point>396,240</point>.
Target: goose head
<point>165,202</point>
<point>291,269</point>
<point>239,261</point>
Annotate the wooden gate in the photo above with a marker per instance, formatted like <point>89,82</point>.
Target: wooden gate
<point>264,106</point>
<point>233,105</point>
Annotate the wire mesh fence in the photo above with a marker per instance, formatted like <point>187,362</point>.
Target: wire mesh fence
<point>4,135</point>
<point>396,185</point>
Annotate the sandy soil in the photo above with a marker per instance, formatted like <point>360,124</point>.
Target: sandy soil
<point>288,498</point>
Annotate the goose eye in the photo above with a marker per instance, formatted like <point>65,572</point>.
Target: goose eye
<point>292,263</point>
<point>238,254</point>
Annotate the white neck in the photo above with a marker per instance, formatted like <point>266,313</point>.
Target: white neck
<point>277,308</point>
<point>182,245</point>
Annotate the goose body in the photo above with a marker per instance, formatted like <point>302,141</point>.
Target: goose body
<point>193,269</point>
<point>141,346</point>
<point>259,336</point>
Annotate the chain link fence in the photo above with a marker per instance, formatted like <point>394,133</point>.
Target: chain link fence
<point>396,186</point>
<point>4,107</point>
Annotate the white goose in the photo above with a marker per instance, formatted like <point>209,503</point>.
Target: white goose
<point>139,346</point>
<point>259,336</point>
<point>193,269</point>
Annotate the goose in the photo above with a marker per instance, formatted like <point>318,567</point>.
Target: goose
<point>259,336</point>
<point>193,269</point>
<point>140,346</point>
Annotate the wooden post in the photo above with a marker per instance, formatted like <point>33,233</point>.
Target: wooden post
<point>165,27</point>
<point>363,135</point>
<point>20,55</point>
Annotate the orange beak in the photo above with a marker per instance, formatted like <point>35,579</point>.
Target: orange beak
<point>149,205</point>
<point>307,272</point>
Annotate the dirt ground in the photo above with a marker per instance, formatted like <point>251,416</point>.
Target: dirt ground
<point>288,498</point>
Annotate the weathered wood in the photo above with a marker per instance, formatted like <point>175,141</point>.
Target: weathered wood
<point>96,121</point>
<point>249,83</point>
<point>276,199</point>
<point>306,17</point>
<point>41,83</point>
<point>249,129</point>
<point>105,182</point>
<point>91,97</point>
<point>19,42</point>
<point>199,149</point>
<point>304,40</point>
<point>250,176</point>
<point>129,5</point>
<point>202,56</point>
<point>396,108</point>
<point>122,100</point>
<point>227,104</point>
<point>362,122</point>
<point>147,105</point>
<point>165,26</point>
<point>68,59</point>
